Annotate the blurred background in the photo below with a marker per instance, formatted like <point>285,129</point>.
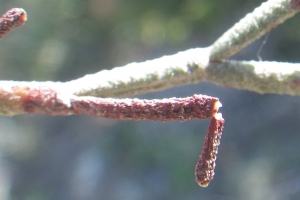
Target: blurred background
<point>80,157</point>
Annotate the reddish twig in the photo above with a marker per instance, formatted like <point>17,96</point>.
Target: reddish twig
<point>12,19</point>
<point>43,100</point>
<point>194,107</point>
<point>205,167</point>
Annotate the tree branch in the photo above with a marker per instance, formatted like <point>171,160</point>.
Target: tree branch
<point>253,26</point>
<point>43,100</point>
<point>260,77</point>
<point>164,73</point>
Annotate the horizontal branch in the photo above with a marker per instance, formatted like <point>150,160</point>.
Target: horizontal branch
<point>169,109</point>
<point>43,100</point>
<point>166,72</point>
<point>187,68</point>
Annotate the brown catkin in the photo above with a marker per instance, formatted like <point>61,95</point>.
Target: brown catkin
<point>205,167</point>
<point>194,107</point>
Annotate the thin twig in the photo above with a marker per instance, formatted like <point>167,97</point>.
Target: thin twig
<point>138,78</point>
<point>253,26</point>
<point>194,107</point>
<point>43,100</point>
<point>157,75</point>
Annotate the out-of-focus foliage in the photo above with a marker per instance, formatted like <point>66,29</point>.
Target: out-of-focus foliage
<point>81,157</point>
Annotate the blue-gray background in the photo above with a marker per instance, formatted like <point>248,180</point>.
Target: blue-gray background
<point>80,157</point>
